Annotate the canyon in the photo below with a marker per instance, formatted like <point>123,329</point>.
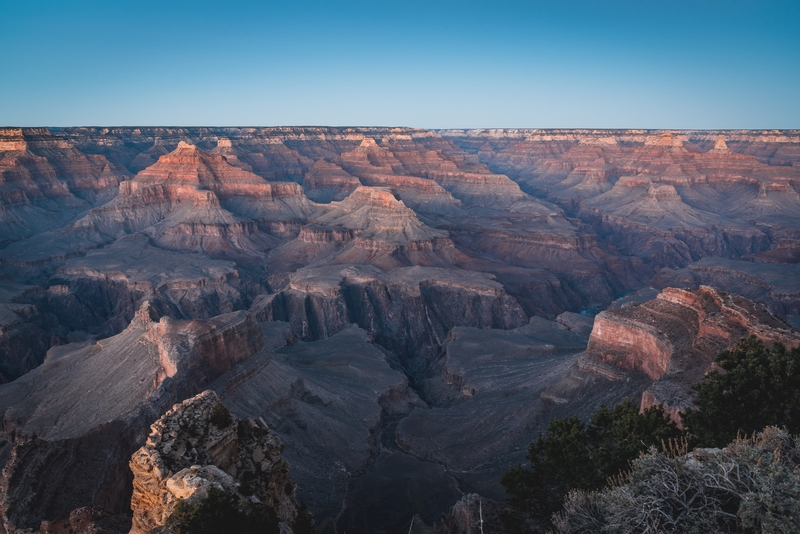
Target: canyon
<point>403,309</point>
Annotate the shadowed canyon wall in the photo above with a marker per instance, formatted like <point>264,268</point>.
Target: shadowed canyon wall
<point>404,309</point>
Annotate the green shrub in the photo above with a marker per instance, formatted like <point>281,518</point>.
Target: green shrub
<point>571,455</point>
<point>223,513</point>
<point>220,416</point>
<point>758,387</point>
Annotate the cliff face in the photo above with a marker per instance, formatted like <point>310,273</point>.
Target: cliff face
<point>674,338</point>
<point>71,424</point>
<point>413,287</point>
<point>198,445</point>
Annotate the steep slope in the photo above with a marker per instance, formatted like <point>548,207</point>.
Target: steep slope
<point>45,182</point>
<point>674,338</point>
<point>70,425</point>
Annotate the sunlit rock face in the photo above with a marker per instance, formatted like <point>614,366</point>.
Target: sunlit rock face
<point>70,425</point>
<point>196,446</point>
<point>674,338</point>
<point>373,294</point>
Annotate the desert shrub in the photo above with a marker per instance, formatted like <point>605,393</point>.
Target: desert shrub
<point>571,455</point>
<point>751,486</point>
<point>757,387</point>
<point>304,522</point>
<point>222,512</point>
<point>220,416</point>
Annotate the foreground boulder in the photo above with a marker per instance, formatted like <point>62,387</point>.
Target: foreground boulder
<point>199,446</point>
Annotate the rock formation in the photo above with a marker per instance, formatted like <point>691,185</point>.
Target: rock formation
<point>674,338</point>
<point>373,294</point>
<point>198,445</point>
<point>70,425</point>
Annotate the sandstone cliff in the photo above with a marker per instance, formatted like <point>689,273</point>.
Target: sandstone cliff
<point>674,338</point>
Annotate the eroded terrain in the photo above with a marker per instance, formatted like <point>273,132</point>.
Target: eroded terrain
<point>405,309</point>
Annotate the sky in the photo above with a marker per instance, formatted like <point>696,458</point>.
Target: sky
<point>429,64</point>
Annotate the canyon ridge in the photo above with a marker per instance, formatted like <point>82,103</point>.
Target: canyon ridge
<point>388,315</point>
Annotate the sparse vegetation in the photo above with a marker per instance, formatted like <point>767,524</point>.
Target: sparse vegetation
<point>751,486</point>
<point>220,416</point>
<point>756,387</point>
<point>222,512</point>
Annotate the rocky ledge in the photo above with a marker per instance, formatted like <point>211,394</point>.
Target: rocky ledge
<point>199,445</point>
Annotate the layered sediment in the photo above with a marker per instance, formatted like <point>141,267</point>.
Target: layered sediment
<point>373,294</point>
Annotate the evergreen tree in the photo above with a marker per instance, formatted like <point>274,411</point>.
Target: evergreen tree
<point>758,387</point>
<point>571,455</point>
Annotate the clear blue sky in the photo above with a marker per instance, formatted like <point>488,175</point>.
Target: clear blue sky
<point>555,63</point>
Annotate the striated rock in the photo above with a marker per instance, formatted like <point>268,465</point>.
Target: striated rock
<point>70,425</point>
<point>674,338</point>
<point>46,183</point>
<point>198,445</point>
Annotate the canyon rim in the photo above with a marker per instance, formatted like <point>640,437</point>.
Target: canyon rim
<point>388,315</point>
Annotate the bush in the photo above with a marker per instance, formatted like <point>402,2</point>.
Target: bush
<point>223,513</point>
<point>758,387</point>
<point>751,486</point>
<point>571,455</point>
<point>220,416</point>
<point>304,523</point>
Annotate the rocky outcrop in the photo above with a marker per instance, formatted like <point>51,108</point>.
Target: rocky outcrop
<point>474,514</point>
<point>71,424</point>
<point>198,445</point>
<point>674,338</point>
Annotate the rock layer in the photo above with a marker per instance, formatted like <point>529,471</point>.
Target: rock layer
<point>471,263</point>
<point>674,338</point>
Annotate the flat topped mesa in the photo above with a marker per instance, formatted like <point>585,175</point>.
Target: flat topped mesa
<point>185,145</point>
<point>664,140</point>
<point>12,140</point>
